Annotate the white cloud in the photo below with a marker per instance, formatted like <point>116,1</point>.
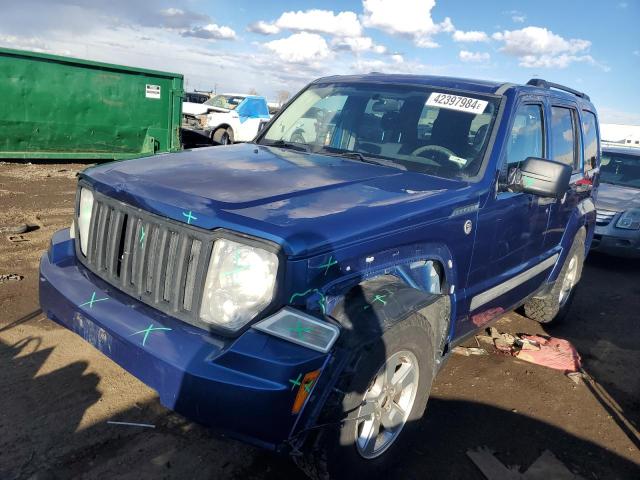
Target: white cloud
<point>446,25</point>
<point>636,53</point>
<point>344,27</point>
<point>537,47</point>
<point>24,43</point>
<point>342,24</point>
<point>367,66</point>
<point>263,28</point>
<point>397,64</point>
<point>467,56</point>
<point>538,41</point>
<point>558,61</point>
<point>180,18</point>
<point>516,16</point>
<point>470,36</point>
<point>612,115</point>
<point>409,18</point>
<point>300,47</point>
<point>426,42</point>
<point>211,32</point>
<point>357,44</point>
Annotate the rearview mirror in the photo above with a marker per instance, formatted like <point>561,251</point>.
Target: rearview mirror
<point>542,177</point>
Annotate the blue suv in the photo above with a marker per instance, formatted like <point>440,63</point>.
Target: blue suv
<point>302,291</point>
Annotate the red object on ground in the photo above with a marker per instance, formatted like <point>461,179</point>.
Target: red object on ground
<point>481,318</point>
<point>550,352</point>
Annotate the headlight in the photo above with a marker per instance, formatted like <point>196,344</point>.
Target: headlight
<point>84,217</point>
<point>630,220</point>
<point>240,283</point>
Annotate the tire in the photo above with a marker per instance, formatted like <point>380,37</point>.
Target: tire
<point>223,136</point>
<point>339,451</point>
<point>554,306</point>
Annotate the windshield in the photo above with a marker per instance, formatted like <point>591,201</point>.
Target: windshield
<point>230,102</point>
<point>195,97</point>
<point>620,169</point>
<point>429,130</point>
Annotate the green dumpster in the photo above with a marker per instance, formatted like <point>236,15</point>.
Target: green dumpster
<point>54,107</point>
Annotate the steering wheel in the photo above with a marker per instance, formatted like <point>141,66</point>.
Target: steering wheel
<point>439,151</point>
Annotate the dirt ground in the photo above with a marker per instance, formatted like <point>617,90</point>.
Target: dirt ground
<point>57,392</point>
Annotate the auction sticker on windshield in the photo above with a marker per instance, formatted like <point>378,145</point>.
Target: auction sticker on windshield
<point>456,102</point>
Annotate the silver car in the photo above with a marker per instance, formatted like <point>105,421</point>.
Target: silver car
<point>618,203</point>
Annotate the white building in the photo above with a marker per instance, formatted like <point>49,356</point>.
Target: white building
<point>628,135</point>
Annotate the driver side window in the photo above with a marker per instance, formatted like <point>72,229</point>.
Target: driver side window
<point>526,137</point>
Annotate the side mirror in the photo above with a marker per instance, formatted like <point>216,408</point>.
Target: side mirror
<point>542,177</point>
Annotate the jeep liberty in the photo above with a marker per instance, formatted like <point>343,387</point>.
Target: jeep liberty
<point>302,291</point>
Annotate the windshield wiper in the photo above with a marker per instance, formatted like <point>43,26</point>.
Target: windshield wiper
<point>359,156</point>
<point>284,144</point>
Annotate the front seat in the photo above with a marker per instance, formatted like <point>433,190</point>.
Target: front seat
<point>451,130</point>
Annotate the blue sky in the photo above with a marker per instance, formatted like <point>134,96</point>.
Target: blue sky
<point>272,46</point>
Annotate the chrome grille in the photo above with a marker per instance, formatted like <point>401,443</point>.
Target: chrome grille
<point>157,260</point>
<point>604,217</point>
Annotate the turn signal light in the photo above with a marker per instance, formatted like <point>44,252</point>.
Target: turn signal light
<point>308,382</point>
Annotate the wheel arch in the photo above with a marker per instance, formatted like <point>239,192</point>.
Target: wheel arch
<point>224,126</point>
<point>376,304</point>
<point>579,221</point>
<point>424,272</point>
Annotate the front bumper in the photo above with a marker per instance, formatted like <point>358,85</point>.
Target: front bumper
<point>245,386</point>
<point>616,241</point>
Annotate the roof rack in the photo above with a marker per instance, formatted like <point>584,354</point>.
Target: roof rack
<point>539,82</point>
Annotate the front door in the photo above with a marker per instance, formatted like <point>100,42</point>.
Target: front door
<point>511,226</point>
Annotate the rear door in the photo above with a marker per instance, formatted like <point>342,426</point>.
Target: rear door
<point>565,141</point>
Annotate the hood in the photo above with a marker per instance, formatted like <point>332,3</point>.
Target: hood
<point>190,108</point>
<point>617,197</point>
<point>302,201</point>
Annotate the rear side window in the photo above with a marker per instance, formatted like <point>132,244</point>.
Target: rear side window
<point>590,137</point>
<point>526,137</point>
<point>563,137</point>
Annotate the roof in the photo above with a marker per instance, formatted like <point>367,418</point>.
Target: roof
<point>480,86</point>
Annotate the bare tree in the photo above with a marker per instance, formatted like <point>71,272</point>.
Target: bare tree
<point>282,97</point>
<point>253,91</point>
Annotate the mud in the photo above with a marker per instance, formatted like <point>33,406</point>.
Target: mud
<point>57,392</point>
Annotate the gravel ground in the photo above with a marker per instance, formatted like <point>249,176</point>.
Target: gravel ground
<point>57,392</point>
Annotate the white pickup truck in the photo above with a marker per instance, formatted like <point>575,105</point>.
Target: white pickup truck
<point>227,118</point>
